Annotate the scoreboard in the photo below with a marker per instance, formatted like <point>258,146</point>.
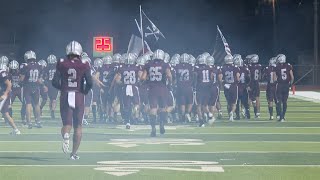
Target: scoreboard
<point>102,46</point>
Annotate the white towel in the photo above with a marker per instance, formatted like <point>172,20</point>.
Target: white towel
<point>129,91</point>
<point>2,103</point>
<point>227,86</point>
<point>72,99</point>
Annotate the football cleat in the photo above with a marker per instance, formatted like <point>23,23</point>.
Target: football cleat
<point>162,130</point>
<point>128,126</point>
<point>211,121</point>
<point>30,126</point>
<point>15,132</point>
<point>66,143</point>
<point>271,118</point>
<point>231,117</point>
<point>282,120</point>
<point>38,125</point>
<point>74,157</point>
<point>188,117</point>
<point>153,132</point>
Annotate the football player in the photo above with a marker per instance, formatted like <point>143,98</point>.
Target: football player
<point>202,83</point>
<point>52,92</point>
<point>97,64</point>
<point>69,78</point>
<point>5,102</point>
<point>157,72</point>
<point>128,76</point>
<point>254,87</point>
<point>214,89</point>
<point>44,88</point>
<point>285,78</point>
<point>242,87</point>
<point>31,79</point>
<point>230,77</point>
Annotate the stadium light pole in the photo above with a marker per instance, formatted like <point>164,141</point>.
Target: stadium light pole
<point>274,26</point>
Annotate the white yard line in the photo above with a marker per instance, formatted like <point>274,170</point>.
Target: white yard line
<point>98,165</point>
<point>167,152</point>
<point>307,96</point>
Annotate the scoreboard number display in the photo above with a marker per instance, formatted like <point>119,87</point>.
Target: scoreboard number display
<point>102,46</point>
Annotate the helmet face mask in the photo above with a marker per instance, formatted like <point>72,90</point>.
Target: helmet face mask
<point>97,63</point>
<point>237,59</point>
<point>281,58</point>
<point>74,48</point>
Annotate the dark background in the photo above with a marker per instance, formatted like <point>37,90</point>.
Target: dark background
<point>46,26</point>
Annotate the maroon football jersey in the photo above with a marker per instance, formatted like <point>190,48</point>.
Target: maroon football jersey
<point>156,70</point>
<point>255,72</point>
<point>269,72</point>
<point>229,73</point>
<point>15,79</point>
<point>72,74</point>
<point>244,72</point>
<point>283,73</point>
<point>32,73</point>
<point>129,74</point>
<point>49,71</point>
<point>215,71</point>
<point>184,73</point>
<point>203,75</point>
<point>104,71</point>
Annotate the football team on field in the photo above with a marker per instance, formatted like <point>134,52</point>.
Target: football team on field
<point>147,89</point>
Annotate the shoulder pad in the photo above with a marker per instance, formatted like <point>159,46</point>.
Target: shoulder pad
<point>83,61</point>
<point>289,64</point>
<point>196,66</point>
<point>61,60</point>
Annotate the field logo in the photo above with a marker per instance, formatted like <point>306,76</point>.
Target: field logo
<point>123,168</point>
<point>127,143</point>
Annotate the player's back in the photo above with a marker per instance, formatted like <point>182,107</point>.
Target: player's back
<point>72,74</point>
<point>229,72</point>
<point>15,79</point>
<point>255,72</point>
<point>129,74</point>
<point>283,73</point>
<point>32,73</point>
<point>184,73</point>
<point>156,72</point>
<point>203,75</point>
<point>269,74</point>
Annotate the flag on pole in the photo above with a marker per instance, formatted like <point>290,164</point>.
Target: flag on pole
<point>135,45</point>
<point>221,48</point>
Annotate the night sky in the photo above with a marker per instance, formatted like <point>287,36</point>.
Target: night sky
<point>189,25</point>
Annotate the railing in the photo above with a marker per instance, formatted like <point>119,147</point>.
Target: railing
<point>306,74</point>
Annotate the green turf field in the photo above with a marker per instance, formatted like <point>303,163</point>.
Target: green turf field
<point>242,150</point>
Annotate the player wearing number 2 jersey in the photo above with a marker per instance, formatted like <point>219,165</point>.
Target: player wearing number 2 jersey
<point>157,72</point>
<point>285,79</point>
<point>69,79</point>
<point>31,80</point>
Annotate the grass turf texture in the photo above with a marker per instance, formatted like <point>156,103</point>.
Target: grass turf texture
<point>255,149</point>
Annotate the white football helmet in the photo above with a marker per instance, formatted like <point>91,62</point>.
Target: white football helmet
<point>107,59</point>
<point>97,63</point>
<point>202,59</point>
<point>86,59</point>
<point>124,58</point>
<point>74,48</point>
<point>281,58</point>
<point>131,59</point>
<point>166,57</point>
<point>237,59</point>
<point>141,61</point>
<point>210,60</point>
<point>184,58</point>
<point>273,61</point>
<point>174,61</point>
<point>14,65</point>
<point>4,60</point>
<point>206,54</point>
<point>228,59</point>
<point>52,59</point>
<point>30,55</point>
<point>158,54</point>
<point>42,63</point>
<point>4,67</point>
<point>254,59</point>
<point>116,58</point>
